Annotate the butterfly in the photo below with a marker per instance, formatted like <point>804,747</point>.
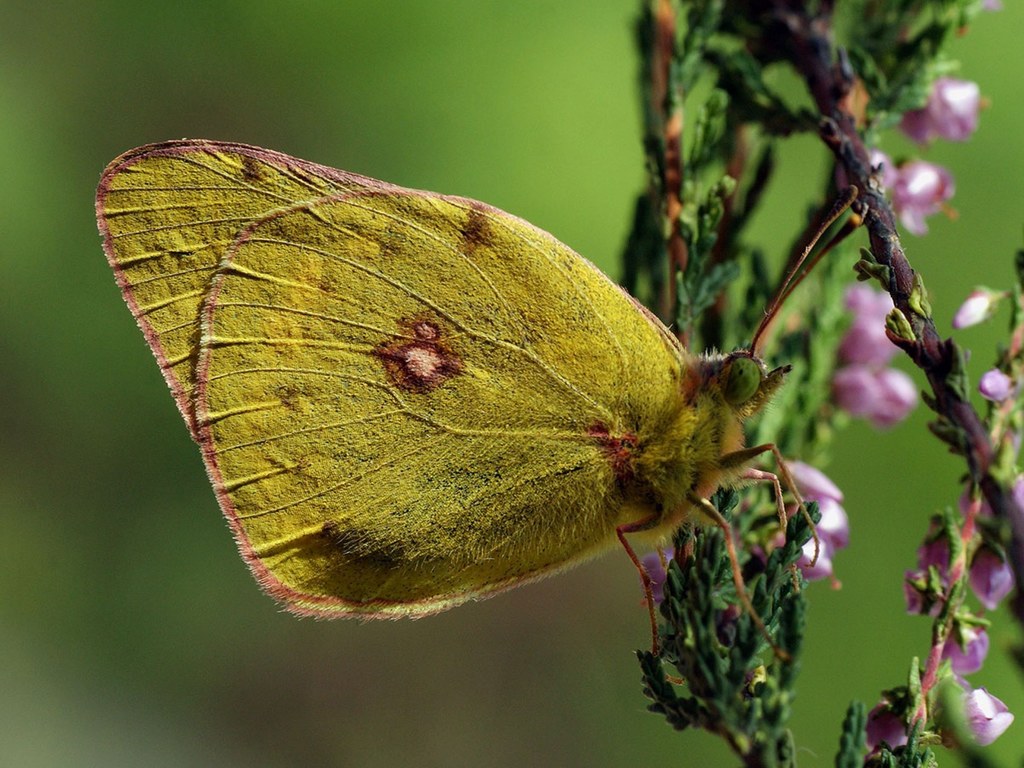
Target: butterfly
<point>407,400</point>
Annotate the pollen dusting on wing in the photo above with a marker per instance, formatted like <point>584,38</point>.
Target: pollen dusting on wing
<point>421,363</point>
<point>619,449</point>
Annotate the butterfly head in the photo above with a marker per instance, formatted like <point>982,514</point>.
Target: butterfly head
<point>746,383</point>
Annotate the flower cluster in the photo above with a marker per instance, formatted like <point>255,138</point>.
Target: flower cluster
<point>865,386</point>
<point>990,578</point>
<point>987,719</point>
<point>920,189</point>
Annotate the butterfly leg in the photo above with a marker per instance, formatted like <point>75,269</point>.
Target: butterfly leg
<point>715,516</point>
<point>645,577</point>
<point>738,459</point>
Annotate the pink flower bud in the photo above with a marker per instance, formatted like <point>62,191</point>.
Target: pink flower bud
<point>898,396</point>
<point>934,553</point>
<point>834,525</point>
<point>951,112</point>
<point>918,585</point>
<point>979,306</point>
<point>813,484</point>
<point>652,563</point>
<point>822,567</point>
<point>1017,491</point>
<point>864,301</point>
<point>917,126</point>
<point>920,190</point>
<point>885,167</point>
<point>954,107</point>
<point>987,716</point>
<point>995,385</point>
<point>885,397</point>
<point>990,577</point>
<point>971,656</point>
<point>866,342</point>
<point>912,594</point>
<point>884,726</point>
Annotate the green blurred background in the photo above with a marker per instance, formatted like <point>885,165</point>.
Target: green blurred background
<point>130,631</point>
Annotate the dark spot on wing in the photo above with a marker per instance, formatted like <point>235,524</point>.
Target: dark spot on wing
<point>420,360</point>
<point>252,169</point>
<point>476,232</point>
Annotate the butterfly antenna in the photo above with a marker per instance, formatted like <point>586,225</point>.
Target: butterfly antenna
<point>801,266</point>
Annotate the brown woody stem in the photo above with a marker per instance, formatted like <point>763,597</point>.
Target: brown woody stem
<point>806,42</point>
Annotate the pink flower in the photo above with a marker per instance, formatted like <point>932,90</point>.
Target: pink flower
<point>914,593</point>
<point>885,397</point>
<point>971,656</point>
<point>833,527</point>
<point>822,567</point>
<point>652,563</point>
<point>1017,491</point>
<point>812,483</point>
<point>987,716</point>
<point>934,553</point>
<point>995,385</point>
<point>920,190</point>
<point>883,165</point>
<point>979,306</point>
<point>917,584</point>
<point>951,112</point>
<point>884,727</point>
<point>865,341</point>
<point>990,577</point>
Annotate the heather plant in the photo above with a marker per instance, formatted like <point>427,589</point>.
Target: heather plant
<point>716,86</point>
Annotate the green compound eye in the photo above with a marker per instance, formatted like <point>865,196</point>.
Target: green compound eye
<point>742,380</point>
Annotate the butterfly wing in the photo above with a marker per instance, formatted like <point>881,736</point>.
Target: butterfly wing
<point>168,214</point>
<point>404,400</point>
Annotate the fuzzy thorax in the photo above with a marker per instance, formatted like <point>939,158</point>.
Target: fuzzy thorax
<point>687,457</point>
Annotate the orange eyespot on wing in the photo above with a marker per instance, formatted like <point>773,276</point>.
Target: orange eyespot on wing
<point>422,362</point>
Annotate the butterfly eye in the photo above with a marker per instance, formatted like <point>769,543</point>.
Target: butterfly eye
<point>742,380</point>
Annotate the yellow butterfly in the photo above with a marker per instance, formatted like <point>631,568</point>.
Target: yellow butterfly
<point>407,400</point>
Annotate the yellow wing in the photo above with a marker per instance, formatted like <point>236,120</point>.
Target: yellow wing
<point>168,213</point>
<point>404,400</point>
